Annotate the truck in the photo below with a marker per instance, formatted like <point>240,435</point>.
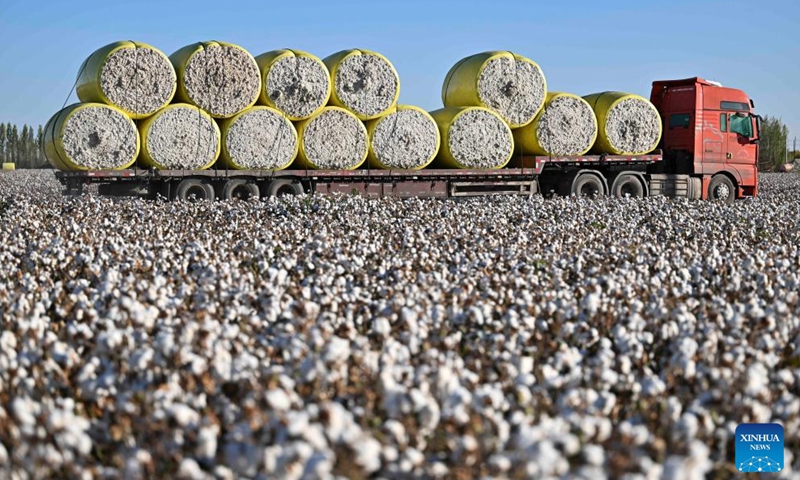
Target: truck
<point>708,150</point>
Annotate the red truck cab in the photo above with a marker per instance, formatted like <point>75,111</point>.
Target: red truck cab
<point>710,131</point>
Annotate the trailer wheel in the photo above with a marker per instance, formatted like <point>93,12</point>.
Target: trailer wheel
<point>696,190</point>
<point>279,188</point>
<point>193,190</point>
<point>722,188</point>
<point>588,185</point>
<point>627,185</point>
<point>238,188</point>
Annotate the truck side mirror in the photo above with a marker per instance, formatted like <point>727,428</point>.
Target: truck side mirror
<point>757,134</point>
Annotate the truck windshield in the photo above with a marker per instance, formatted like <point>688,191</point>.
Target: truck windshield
<point>742,125</point>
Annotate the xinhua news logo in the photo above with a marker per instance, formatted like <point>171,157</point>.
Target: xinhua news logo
<point>759,447</point>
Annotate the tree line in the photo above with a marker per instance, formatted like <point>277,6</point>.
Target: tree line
<point>22,146</point>
<point>773,145</point>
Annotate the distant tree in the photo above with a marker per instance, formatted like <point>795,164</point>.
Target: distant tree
<point>8,142</point>
<point>24,160</point>
<point>13,143</point>
<point>772,147</point>
<point>2,143</point>
<point>40,160</point>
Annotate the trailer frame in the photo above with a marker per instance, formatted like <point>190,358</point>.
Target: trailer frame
<point>522,178</point>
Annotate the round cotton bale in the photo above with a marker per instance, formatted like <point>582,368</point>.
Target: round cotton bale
<point>627,124</point>
<point>294,82</point>
<point>565,126</point>
<point>406,138</point>
<point>135,77</point>
<point>259,138</point>
<point>91,136</point>
<point>179,137</point>
<point>333,139</point>
<point>509,84</point>
<point>473,138</point>
<point>364,82</point>
<point>219,77</point>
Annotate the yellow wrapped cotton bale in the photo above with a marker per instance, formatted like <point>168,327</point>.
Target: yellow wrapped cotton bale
<point>259,138</point>
<point>363,82</point>
<point>472,138</point>
<point>511,85</point>
<point>221,78</point>
<point>179,137</point>
<point>332,139</point>
<point>565,126</point>
<point>90,136</point>
<point>405,138</point>
<point>294,82</point>
<point>135,77</point>
<point>627,124</point>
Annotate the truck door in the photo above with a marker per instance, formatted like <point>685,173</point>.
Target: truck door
<point>714,140</point>
<point>740,151</point>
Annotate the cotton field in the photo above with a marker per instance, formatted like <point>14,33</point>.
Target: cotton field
<point>321,337</point>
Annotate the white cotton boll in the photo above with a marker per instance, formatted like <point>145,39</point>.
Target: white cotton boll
<point>278,399</point>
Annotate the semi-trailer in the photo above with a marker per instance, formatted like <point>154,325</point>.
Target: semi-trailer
<point>708,150</point>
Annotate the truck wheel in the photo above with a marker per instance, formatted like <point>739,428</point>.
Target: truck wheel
<point>627,185</point>
<point>279,188</point>
<point>241,189</point>
<point>696,189</point>
<point>721,188</point>
<point>193,190</point>
<point>588,185</point>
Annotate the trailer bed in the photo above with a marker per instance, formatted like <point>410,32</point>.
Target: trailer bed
<point>520,177</point>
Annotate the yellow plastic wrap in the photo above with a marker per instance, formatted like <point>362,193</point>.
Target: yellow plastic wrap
<point>526,139</point>
<point>333,61</point>
<point>54,134</point>
<point>461,84</point>
<point>225,158</point>
<point>445,118</point>
<point>146,158</point>
<point>303,161</point>
<point>89,87</point>
<point>373,124</point>
<point>181,58</point>
<point>265,62</point>
<point>602,103</point>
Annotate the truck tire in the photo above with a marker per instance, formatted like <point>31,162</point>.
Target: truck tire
<point>279,188</point>
<point>238,188</point>
<point>696,190</point>
<point>627,184</point>
<point>722,188</point>
<point>193,190</point>
<point>588,184</point>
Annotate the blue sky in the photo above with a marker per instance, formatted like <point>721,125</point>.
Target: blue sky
<point>582,46</point>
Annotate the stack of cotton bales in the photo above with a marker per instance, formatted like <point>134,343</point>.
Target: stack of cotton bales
<point>116,84</point>
<point>363,121</point>
<point>177,112</point>
<point>485,96</point>
<point>212,103</point>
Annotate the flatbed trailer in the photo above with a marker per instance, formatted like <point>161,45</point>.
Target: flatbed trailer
<point>581,175</point>
<point>708,150</point>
